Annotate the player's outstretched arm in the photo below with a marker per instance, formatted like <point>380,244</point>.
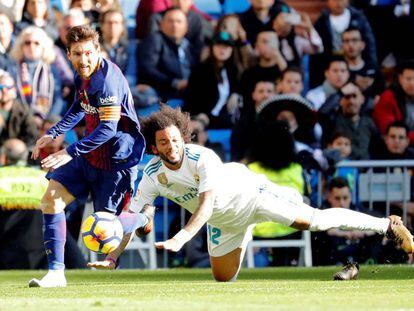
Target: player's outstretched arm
<point>195,223</point>
<point>110,261</point>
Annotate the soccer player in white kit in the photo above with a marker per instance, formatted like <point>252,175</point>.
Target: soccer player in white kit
<point>230,198</point>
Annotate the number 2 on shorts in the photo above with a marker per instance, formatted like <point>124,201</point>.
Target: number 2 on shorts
<point>214,233</point>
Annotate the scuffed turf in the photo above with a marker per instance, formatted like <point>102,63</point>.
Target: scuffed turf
<point>378,288</point>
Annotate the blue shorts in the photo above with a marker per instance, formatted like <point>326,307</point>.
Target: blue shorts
<point>111,190</point>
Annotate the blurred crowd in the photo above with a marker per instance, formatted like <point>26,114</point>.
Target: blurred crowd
<point>298,93</point>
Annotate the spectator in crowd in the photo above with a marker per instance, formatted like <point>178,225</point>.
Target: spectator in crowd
<point>300,117</point>
<point>114,40</point>
<point>93,9</point>
<point>13,9</point>
<point>243,52</point>
<point>89,10</point>
<point>367,77</point>
<point>258,18</point>
<point>13,152</point>
<point>297,36</point>
<point>37,79</point>
<point>348,118</point>
<point>74,17</point>
<point>355,245</point>
<point>198,31</point>
<point>122,52</point>
<point>269,68</point>
<point>291,81</point>
<point>166,57</point>
<point>16,120</point>
<point>243,133</point>
<point>340,149</point>
<point>397,143</point>
<point>397,102</point>
<point>105,5</point>
<point>281,166</point>
<point>212,85</point>
<point>6,41</point>
<point>336,75</point>
<point>38,13</point>
<point>333,21</point>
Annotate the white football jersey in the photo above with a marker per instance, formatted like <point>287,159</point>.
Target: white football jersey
<point>235,186</point>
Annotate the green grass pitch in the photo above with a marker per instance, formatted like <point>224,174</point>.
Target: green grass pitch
<point>378,288</point>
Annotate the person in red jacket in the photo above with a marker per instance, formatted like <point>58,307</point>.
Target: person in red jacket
<point>397,102</point>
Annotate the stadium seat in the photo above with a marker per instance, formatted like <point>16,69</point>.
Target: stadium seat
<point>235,6</point>
<point>221,136</point>
<point>305,255</point>
<point>145,112</point>
<point>385,187</point>
<point>211,7</point>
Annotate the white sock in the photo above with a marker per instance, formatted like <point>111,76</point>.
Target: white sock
<point>346,219</point>
<point>56,272</point>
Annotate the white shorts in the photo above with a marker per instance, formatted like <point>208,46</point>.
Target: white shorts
<point>282,205</point>
<point>223,241</point>
<point>274,203</point>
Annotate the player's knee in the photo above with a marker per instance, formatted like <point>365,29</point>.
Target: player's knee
<point>51,205</point>
<point>224,277</point>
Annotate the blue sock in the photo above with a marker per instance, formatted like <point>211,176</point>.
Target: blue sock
<point>132,221</point>
<point>55,239</point>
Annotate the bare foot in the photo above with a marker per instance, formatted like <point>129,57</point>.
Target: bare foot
<point>105,264</point>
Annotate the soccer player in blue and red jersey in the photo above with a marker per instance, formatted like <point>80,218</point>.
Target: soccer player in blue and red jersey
<point>103,163</point>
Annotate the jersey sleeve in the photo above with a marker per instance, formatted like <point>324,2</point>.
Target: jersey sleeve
<point>209,168</point>
<point>109,107</point>
<point>71,118</point>
<point>146,194</point>
<point>109,101</point>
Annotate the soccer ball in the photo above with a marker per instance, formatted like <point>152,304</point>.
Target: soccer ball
<point>102,232</point>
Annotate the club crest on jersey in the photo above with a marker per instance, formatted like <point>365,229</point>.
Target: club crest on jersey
<point>162,178</point>
<point>197,178</point>
<point>84,103</point>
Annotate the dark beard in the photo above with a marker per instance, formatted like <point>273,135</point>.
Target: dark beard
<point>165,159</point>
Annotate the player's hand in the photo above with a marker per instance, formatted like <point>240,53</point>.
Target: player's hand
<point>104,264</point>
<point>41,143</point>
<point>56,159</point>
<point>173,245</point>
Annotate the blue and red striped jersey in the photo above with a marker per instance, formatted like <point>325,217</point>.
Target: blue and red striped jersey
<point>112,140</point>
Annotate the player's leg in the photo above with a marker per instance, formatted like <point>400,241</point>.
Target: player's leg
<point>225,268</point>
<point>288,208</point>
<point>112,193</point>
<point>66,183</point>
<point>53,204</point>
<point>227,250</point>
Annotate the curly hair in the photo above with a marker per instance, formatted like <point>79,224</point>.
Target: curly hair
<point>162,119</point>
